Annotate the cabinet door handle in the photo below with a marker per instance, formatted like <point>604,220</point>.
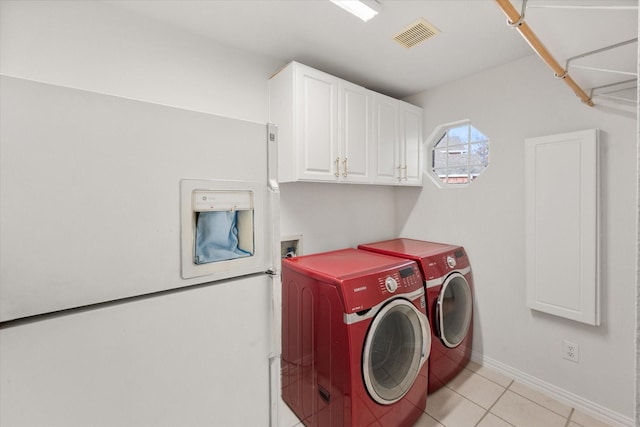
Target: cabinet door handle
<point>406,177</point>
<point>399,172</point>
<point>337,172</point>
<point>344,163</point>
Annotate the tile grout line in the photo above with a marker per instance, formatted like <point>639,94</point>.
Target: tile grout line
<point>462,396</point>
<point>494,404</point>
<point>487,378</point>
<point>569,417</point>
<point>508,387</point>
<point>541,405</point>
<point>433,418</point>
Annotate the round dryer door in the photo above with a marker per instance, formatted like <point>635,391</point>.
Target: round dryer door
<point>454,310</point>
<point>397,345</point>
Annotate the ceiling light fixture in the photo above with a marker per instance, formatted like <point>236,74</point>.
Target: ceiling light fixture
<point>363,9</point>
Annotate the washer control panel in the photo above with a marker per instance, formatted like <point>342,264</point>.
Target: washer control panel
<point>401,280</point>
<point>410,277</point>
<point>364,291</point>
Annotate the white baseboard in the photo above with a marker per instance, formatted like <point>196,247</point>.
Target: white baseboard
<point>564,396</point>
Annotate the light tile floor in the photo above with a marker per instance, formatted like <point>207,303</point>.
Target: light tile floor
<point>481,397</point>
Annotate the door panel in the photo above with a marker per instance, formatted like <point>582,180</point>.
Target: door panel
<point>317,132</point>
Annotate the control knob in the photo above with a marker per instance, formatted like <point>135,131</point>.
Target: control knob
<point>391,284</point>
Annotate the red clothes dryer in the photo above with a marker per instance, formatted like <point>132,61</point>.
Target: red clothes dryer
<point>355,339</point>
<point>449,286</point>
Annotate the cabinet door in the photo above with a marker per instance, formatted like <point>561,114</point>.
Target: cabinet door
<point>411,144</point>
<point>316,100</point>
<point>386,134</point>
<point>562,194</point>
<point>354,141</point>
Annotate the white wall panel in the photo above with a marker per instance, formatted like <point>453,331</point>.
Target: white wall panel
<point>562,220</point>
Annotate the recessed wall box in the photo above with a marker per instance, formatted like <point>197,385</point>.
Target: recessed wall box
<point>291,246</point>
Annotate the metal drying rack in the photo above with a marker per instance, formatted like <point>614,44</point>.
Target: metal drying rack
<point>606,92</point>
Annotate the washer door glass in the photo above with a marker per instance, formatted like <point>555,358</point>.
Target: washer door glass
<point>454,310</point>
<point>396,347</point>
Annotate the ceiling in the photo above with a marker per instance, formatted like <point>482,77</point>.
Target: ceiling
<point>473,36</point>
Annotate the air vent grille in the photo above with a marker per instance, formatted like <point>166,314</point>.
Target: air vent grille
<point>416,33</point>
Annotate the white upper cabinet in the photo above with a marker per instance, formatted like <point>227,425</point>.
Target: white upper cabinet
<point>386,137</point>
<point>303,103</point>
<point>317,128</point>
<point>397,142</point>
<point>410,149</point>
<point>354,139</point>
<point>331,130</point>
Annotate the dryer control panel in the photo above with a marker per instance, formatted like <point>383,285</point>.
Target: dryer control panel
<point>435,267</point>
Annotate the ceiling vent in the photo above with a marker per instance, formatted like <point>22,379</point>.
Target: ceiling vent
<point>416,33</point>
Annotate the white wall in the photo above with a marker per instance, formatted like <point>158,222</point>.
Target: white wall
<point>509,104</point>
<point>336,216</point>
<point>103,48</point>
<point>99,47</point>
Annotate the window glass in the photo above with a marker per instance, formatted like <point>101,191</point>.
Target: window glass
<point>459,154</point>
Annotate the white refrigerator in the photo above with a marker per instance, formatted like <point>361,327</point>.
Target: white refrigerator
<point>139,255</point>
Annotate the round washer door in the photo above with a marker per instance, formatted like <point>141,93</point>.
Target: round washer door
<point>397,345</point>
<point>454,310</point>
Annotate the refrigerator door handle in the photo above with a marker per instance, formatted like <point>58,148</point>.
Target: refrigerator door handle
<point>273,229</point>
<point>272,157</point>
<point>274,198</point>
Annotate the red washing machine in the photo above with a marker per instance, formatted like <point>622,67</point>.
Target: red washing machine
<point>355,339</point>
<point>449,286</point>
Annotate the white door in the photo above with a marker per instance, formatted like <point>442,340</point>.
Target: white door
<point>386,160</point>
<point>99,230</point>
<point>410,146</point>
<point>562,225</point>
<point>355,132</point>
<point>317,131</point>
<point>164,361</point>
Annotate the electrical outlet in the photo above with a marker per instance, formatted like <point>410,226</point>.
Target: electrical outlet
<point>570,351</point>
